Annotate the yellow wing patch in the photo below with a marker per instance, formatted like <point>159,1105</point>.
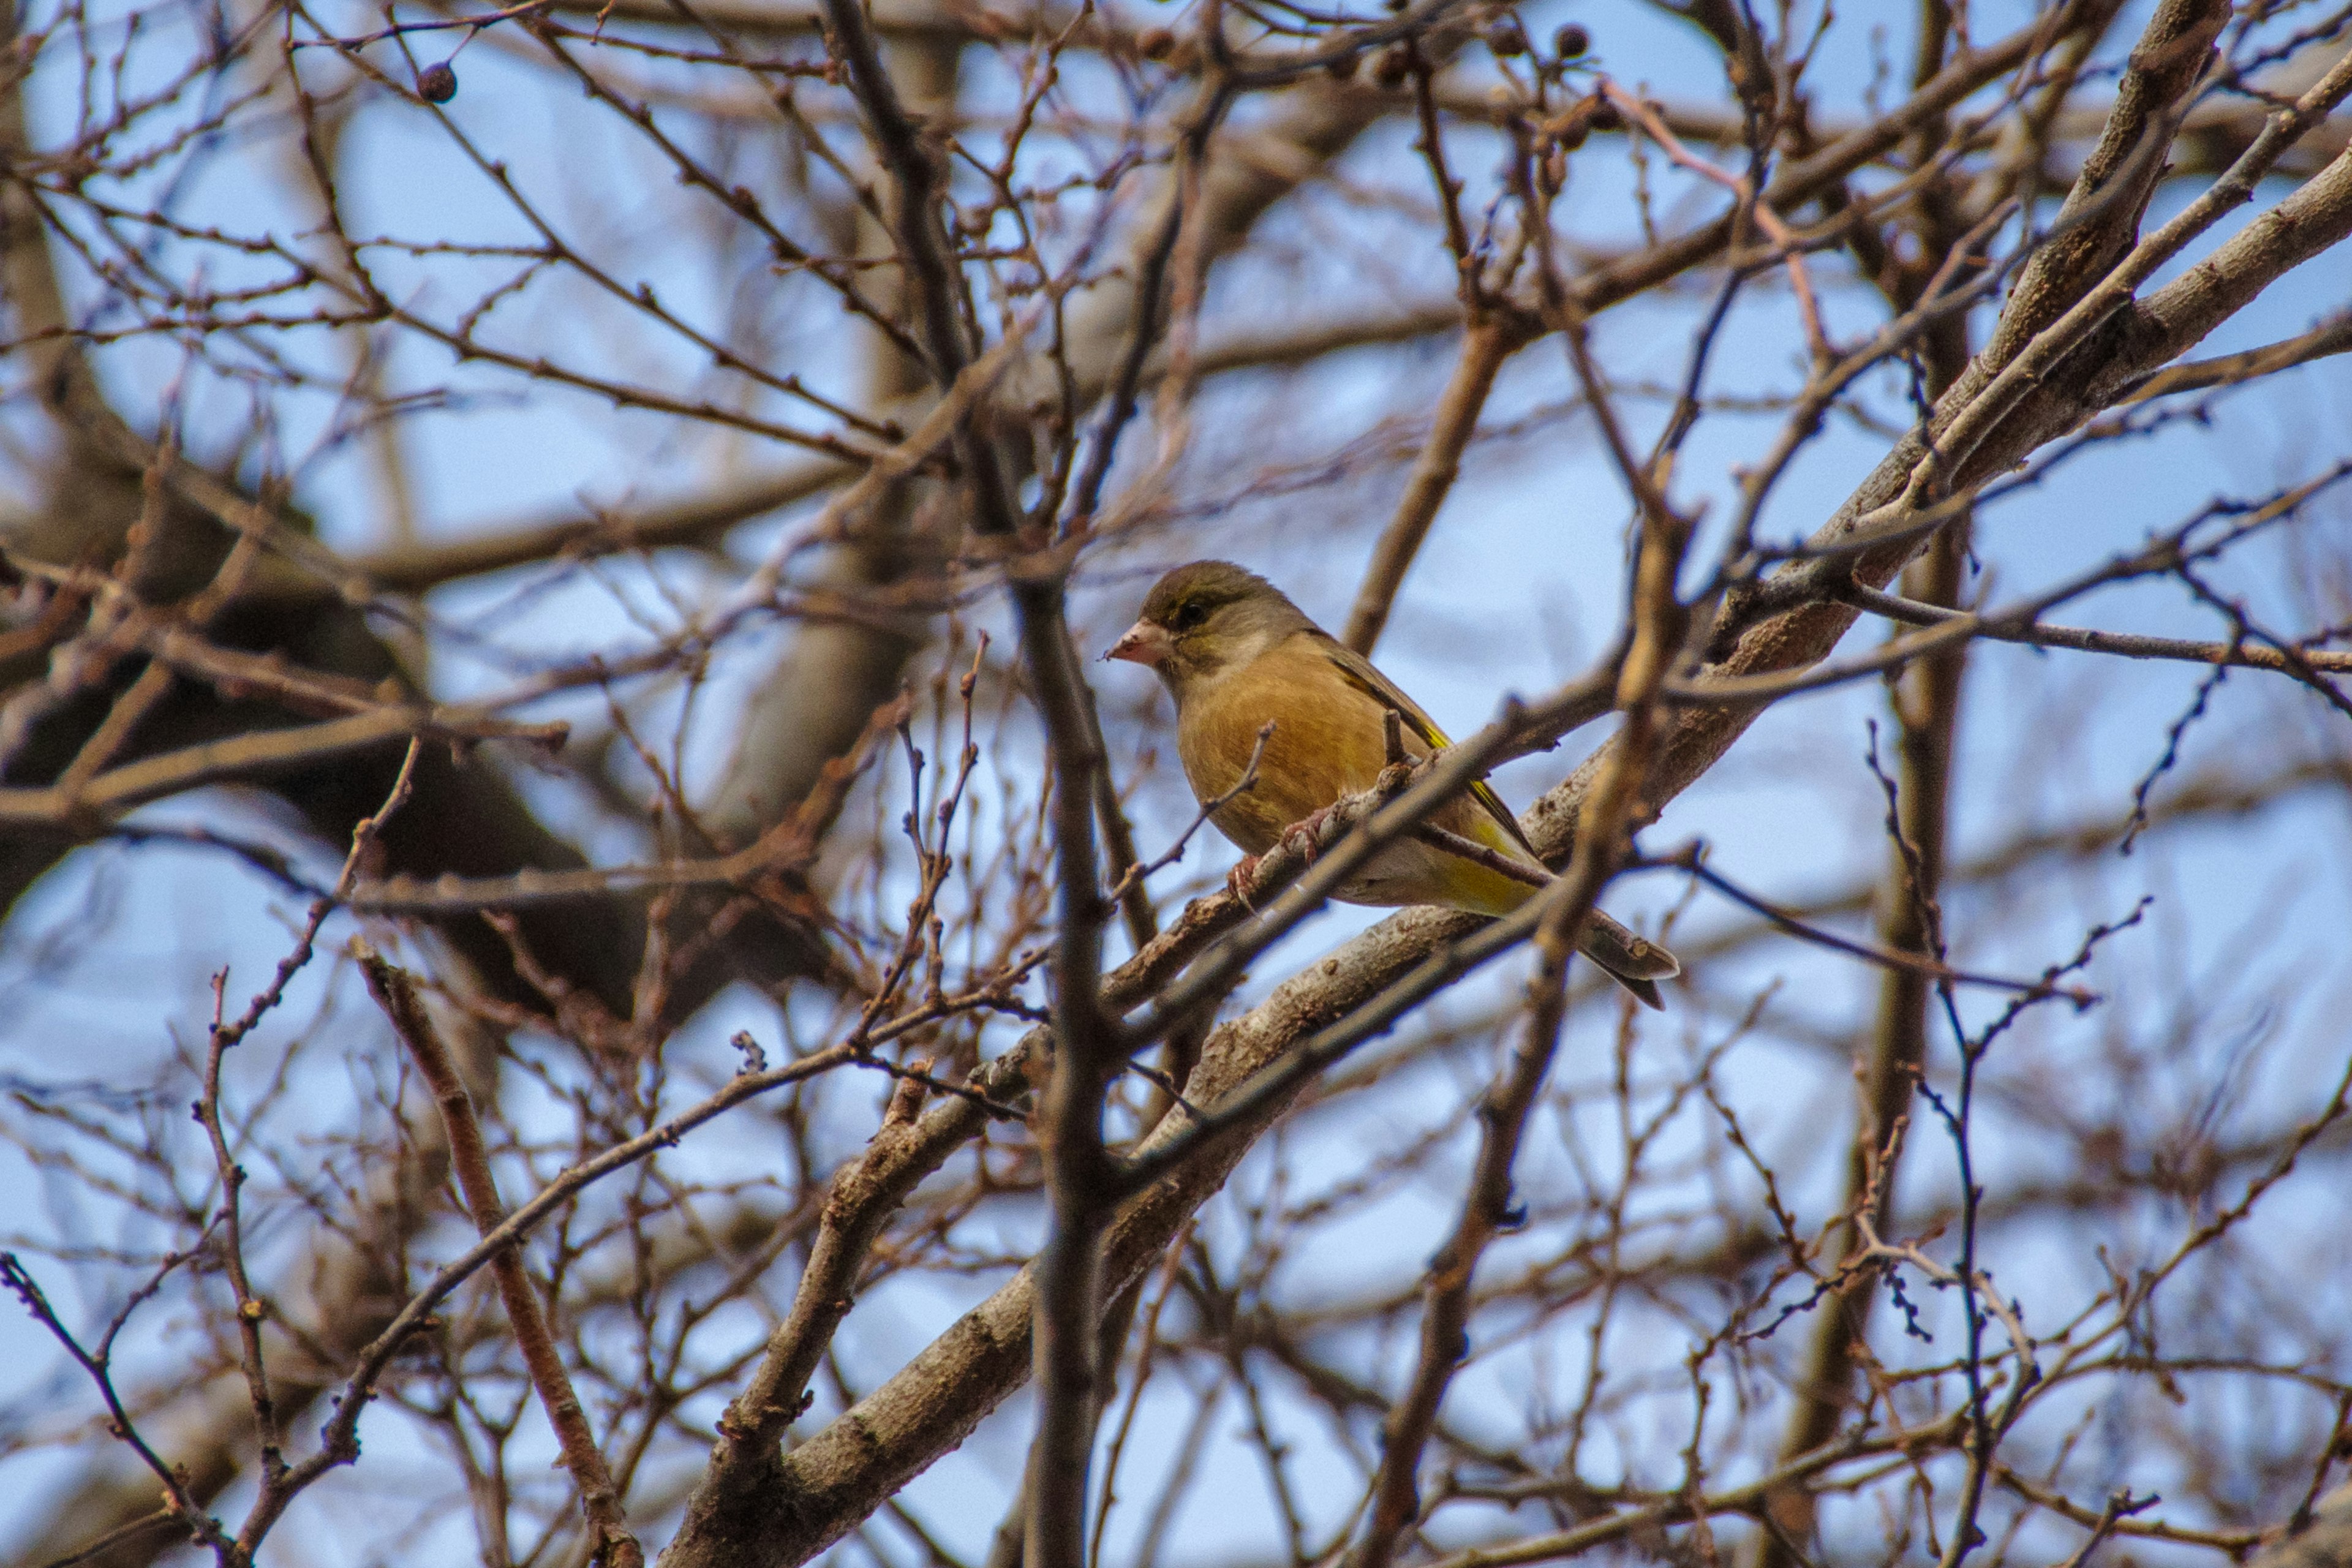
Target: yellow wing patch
<point>1418,725</point>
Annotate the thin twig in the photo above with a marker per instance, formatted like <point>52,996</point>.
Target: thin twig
<point>469,1160</point>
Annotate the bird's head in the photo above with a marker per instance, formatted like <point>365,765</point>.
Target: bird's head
<point>1202,619</point>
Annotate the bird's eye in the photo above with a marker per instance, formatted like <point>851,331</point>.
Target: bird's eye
<point>1188,614</point>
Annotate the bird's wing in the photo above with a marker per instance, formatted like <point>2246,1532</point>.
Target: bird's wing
<point>1360,674</point>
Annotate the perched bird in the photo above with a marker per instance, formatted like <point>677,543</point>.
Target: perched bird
<point>1236,653</point>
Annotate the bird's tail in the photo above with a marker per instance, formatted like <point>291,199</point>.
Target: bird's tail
<point>1634,961</point>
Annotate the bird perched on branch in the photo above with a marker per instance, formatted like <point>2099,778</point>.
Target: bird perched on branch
<point>1236,653</point>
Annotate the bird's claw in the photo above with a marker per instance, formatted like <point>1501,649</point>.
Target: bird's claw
<point>1237,880</point>
<point>1309,831</point>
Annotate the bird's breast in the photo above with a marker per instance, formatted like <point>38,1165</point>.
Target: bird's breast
<point>1327,741</point>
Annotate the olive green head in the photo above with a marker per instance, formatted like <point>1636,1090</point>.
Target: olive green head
<point>1206,617</point>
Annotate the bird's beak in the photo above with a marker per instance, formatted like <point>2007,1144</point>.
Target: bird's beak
<point>1142,644</point>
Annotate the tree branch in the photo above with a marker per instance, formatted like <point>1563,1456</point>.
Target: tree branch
<point>470,1160</point>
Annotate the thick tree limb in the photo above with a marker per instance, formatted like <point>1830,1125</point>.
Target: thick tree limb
<point>2325,1542</point>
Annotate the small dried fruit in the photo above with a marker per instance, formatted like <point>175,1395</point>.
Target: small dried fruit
<point>1505,38</point>
<point>1605,116</point>
<point>436,83</point>
<point>1343,69</point>
<point>1157,43</point>
<point>1391,67</point>
<point>1570,41</point>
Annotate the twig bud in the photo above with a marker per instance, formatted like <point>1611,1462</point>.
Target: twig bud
<point>1505,38</point>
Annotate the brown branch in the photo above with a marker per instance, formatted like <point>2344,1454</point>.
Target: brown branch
<point>1809,178</point>
<point>702,520</point>
<point>919,23</point>
<point>2142,337</point>
<point>1926,702</point>
<point>1486,1211</point>
<point>84,516</point>
<point>255,754</point>
<point>2331,337</point>
<point>696,520</point>
<point>339,1444</point>
<point>734,1508</point>
<point>2325,1542</point>
<point>1747,1500</point>
<point>2034,360</point>
<point>2118,176</point>
<point>1785,248</point>
<point>123,1535</point>
<point>1927,710</point>
<point>842,1472</point>
<point>1085,1056</point>
<point>2173,554</point>
<point>252,1311</point>
<point>786,848</point>
<point>863,1194</point>
<point>1491,339</point>
<point>470,1160</point>
<point>1657,633</point>
<point>1087,1053</point>
<point>2126,645</point>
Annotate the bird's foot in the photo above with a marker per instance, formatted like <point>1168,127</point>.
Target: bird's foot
<point>1306,834</point>
<point>1237,880</point>
<point>1309,831</point>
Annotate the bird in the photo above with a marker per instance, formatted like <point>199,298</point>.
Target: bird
<point>1234,653</point>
